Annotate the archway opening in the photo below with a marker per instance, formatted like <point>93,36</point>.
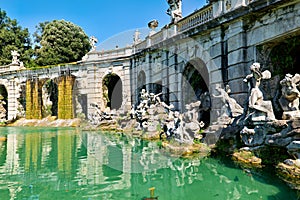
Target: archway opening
<point>195,81</point>
<point>281,57</point>
<point>112,91</point>
<point>285,57</point>
<point>50,98</point>
<point>3,103</point>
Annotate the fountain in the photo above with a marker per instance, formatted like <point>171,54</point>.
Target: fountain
<point>260,131</point>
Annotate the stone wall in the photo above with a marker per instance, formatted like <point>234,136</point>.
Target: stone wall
<point>221,37</point>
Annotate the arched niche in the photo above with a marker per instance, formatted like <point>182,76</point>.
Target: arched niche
<point>195,84</point>
<point>50,98</point>
<point>112,91</point>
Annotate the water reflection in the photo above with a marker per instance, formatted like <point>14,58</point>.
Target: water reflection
<point>69,164</point>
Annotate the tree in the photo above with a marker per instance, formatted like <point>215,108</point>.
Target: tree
<point>60,42</point>
<point>13,37</point>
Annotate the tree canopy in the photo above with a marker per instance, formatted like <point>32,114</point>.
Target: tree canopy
<point>60,42</point>
<point>13,37</point>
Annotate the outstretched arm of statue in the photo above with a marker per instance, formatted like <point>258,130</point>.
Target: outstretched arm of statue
<point>246,79</point>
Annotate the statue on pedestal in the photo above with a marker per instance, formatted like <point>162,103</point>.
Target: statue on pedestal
<point>15,59</point>
<point>93,41</point>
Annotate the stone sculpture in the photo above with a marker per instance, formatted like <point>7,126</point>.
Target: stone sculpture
<point>93,41</point>
<point>15,59</point>
<point>230,108</point>
<point>98,116</point>
<point>259,109</point>
<point>175,10</point>
<point>136,37</point>
<point>289,100</point>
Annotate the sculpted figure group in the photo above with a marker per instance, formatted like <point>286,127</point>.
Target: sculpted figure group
<point>181,126</point>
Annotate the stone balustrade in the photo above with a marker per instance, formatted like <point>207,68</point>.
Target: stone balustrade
<point>199,17</point>
<point>195,19</point>
<point>114,53</point>
<point>140,46</point>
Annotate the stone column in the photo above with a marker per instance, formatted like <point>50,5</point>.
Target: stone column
<point>33,99</point>
<point>238,63</point>
<point>65,97</point>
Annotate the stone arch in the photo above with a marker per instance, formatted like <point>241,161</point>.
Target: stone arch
<point>112,91</point>
<point>281,57</point>
<point>50,98</point>
<point>284,57</point>
<point>195,86</point>
<point>141,80</point>
<point>3,103</point>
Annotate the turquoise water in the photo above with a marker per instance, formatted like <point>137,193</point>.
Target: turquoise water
<point>51,163</point>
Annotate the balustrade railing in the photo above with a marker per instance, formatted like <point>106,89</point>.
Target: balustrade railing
<point>157,37</point>
<point>140,46</point>
<point>197,18</point>
<point>115,53</point>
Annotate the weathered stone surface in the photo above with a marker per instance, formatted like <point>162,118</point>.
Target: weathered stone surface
<point>294,148</point>
<point>253,137</point>
<point>282,142</point>
<point>295,124</point>
<point>290,174</point>
<point>247,158</point>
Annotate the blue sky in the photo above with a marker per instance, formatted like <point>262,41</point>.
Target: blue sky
<point>104,19</point>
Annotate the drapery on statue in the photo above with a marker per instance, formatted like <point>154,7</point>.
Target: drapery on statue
<point>257,105</point>
<point>175,9</point>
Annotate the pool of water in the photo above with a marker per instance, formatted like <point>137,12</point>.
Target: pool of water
<point>61,163</point>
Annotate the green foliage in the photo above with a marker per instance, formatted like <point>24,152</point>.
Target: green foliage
<point>13,37</point>
<point>60,42</point>
<point>159,143</point>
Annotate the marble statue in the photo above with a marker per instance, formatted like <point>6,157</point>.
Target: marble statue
<point>98,116</point>
<point>15,55</point>
<point>154,99</point>
<point>136,37</point>
<point>230,108</point>
<point>259,109</point>
<point>93,41</point>
<point>289,100</point>
<point>144,98</point>
<point>175,10</point>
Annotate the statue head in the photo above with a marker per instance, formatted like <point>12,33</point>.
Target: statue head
<point>255,67</point>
